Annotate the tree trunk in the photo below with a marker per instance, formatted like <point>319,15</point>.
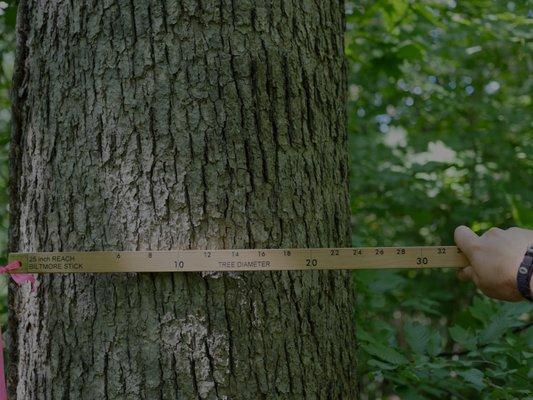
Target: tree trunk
<point>166,125</point>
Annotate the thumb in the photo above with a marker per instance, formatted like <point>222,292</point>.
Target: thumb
<point>466,240</point>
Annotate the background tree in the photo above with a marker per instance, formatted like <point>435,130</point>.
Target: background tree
<point>164,125</point>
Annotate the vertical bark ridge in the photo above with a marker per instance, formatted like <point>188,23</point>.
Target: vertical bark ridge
<point>163,125</point>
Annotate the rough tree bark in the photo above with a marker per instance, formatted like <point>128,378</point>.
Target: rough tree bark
<point>180,124</point>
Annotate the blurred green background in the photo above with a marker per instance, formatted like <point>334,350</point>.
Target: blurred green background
<point>441,134</point>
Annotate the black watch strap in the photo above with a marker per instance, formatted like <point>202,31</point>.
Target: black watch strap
<point>523,278</point>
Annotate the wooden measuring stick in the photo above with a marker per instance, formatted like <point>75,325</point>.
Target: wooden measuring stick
<point>241,260</point>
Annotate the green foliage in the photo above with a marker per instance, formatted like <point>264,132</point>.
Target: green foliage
<point>441,135</point>
<point>7,40</point>
<point>7,27</point>
<point>483,349</point>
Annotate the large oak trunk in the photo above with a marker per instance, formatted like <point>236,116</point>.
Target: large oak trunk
<point>181,124</point>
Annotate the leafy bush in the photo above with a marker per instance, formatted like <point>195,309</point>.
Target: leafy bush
<point>441,135</point>
<point>7,28</point>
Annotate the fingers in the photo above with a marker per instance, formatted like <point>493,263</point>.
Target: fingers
<point>468,274</point>
<point>466,240</point>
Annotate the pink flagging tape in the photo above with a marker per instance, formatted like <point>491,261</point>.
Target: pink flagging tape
<point>19,279</point>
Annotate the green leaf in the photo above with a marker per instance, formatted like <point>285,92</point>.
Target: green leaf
<point>410,51</point>
<point>474,376</point>
<point>522,215</point>
<point>393,12</point>
<point>424,11</point>
<point>481,309</point>
<point>435,343</point>
<point>464,337</point>
<point>381,365</point>
<point>387,354</point>
<point>494,330</point>
<point>365,336</point>
<point>426,305</point>
<point>417,337</point>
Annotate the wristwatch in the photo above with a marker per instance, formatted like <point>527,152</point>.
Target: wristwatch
<point>523,278</point>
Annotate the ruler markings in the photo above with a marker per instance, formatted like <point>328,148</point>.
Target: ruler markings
<point>241,259</point>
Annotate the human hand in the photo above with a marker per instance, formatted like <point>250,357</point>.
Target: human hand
<point>494,259</point>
